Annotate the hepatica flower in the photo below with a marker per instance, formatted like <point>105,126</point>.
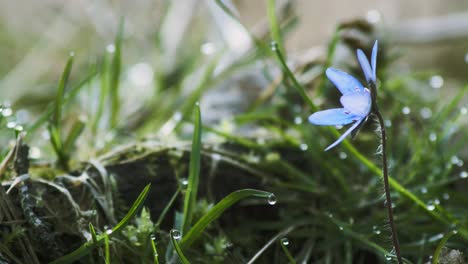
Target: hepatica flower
<point>356,99</point>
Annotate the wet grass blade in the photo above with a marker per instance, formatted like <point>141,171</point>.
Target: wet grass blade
<point>194,173</point>
<point>300,89</point>
<point>216,211</point>
<point>86,247</point>
<point>114,77</point>
<point>286,251</point>
<point>155,251</point>
<point>106,248</point>
<point>61,92</point>
<point>447,236</point>
<point>274,24</point>
<point>177,248</point>
<point>49,112</point>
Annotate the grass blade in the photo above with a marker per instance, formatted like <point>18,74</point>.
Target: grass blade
<point>217,210</point>
<point>274,25</point>
<point>155,250</point>
<point>284,245</point>
<point>194,173</point>
<point>177,248</point>
<point>114,77</point>
<point>61,92</point>
<point>447,236</point>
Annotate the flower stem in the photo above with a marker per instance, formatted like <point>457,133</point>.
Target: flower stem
<point>396,244</point>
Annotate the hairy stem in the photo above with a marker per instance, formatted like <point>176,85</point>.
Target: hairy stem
<point>396,244</point>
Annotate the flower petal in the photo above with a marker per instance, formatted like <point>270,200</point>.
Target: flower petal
<point>346,83</point>
<point>330,117</point>
<point>359,104</point>
<point>374,60</point>
<point>365,66</point>
<point>344,135</point>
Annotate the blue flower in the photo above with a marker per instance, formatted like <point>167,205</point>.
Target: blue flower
<point>356,99</point>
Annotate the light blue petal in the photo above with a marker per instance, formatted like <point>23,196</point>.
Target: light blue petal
<point>358,104</point>
<point>344,135</point>
<point>374,60</point>
<point>332,117</point>
<point>346,83</point>
<point>365,66</point>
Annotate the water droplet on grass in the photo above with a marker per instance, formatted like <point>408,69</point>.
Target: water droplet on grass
<point>110,48</point>
<point>274,46</point>
<point>11,124</point>
<point>184,182</point>
<point>436,81</point>
<point>446,196</point>
<point>303,147</point>
<point>423,190</point>
<point>432,136</point>
<point>208,48</point>
<point>463,110</point>
<point>343,155</point>
<point>406,110</point>
<point>153,237</point>
<point>463,174</point>
<point>7,112</point>
<point>284,241</point>
<point>271,199</point>
<point>376,230</point>
<point>426,112</point>
<point>341,228</point>
<point>298,120</point>
<point>175,234</point>
<point>430,207</point>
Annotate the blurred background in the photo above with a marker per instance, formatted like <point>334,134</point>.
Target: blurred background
<point>37,36</point>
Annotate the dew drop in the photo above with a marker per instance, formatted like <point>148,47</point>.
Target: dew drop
<point>285,241</point>
<point>454,159</point>
<point>341,228</point>
<point>436,201</point>
<point>7,112</point>
<point>430,206</point>
<point>271,199</point>
<point>303,147</point>
<point>208,48</point>
<point>184,182</point>
<point>436,81</point>
<point>423,190</point>
<point>455,232</point>
<point>274,46</point>
<point>153,237</point>
<point>463,174</point>
<point>432,136</point>
<point>426,112</point>
<point>110,48</point>
<point>11,124</point>
<point>343,155</point>
<point>406,110</point>
<point>388,123</point>
<point>298,120</point>
<point>376,230</point>
<point>446,196</point>
<point>463,111</point>
<point>175,234</point>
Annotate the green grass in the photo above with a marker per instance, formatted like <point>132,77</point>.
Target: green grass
<point>237,187</point>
